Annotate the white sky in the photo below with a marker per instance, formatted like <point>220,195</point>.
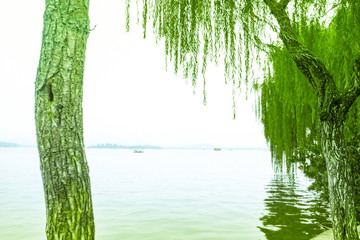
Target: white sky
<point>129,98</point>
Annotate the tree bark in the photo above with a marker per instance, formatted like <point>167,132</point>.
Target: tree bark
<point>340,180</point>
<point>59,121</point>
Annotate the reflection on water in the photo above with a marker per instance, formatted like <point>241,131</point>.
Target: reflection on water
<point>292,211</point>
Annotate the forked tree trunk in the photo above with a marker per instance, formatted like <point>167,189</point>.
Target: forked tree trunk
<point>59,121</point>
<point>341,191</point>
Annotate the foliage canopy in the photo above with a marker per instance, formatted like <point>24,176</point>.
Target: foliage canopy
<point>288,101</point>
<point>239,32</point>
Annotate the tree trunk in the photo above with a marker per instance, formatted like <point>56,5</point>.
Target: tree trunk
<point>341,191</point>
<point>59,121</point>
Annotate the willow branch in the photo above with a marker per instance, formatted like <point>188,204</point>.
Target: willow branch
<point>312,67</point>
<point>349,97</point>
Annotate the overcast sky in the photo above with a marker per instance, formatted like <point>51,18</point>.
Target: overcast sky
<point>129,98</point>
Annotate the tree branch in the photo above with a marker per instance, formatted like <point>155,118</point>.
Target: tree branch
<point>284,3</point>
<point>312,68</point>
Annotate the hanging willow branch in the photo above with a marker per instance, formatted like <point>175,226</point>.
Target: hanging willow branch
<point>309,59</point>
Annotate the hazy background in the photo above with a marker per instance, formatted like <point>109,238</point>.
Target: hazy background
<point>129,98</point>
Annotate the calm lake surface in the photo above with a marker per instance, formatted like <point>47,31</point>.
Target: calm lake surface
<point>169,195</point>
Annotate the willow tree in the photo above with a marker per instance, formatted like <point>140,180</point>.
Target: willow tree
<point>288,101</point>
<point>59,124</point>
<point>236,32</point>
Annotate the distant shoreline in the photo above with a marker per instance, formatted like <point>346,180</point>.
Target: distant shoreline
<point>189,147</point>
<point>117,146</point>
<point>9,144</point>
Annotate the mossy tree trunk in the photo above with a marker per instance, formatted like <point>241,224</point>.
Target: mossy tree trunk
<point>341,189</point>
<point>333,108</point>
<point>59,121</point>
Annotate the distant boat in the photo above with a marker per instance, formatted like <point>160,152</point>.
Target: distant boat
<point>217,149</point>
<point>138,151</point>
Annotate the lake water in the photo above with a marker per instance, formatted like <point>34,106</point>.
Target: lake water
<point>169,195</point>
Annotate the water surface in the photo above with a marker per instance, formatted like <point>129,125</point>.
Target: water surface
<point>168,195</point>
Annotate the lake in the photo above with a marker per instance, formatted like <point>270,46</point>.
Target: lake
<point>170,195</point>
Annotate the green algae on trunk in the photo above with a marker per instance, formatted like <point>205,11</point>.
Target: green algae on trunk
<point>59,121</point>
